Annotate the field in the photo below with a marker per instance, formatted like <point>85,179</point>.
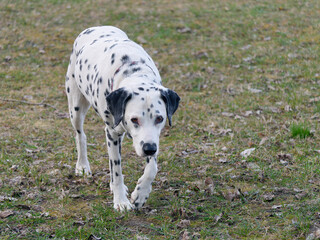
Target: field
<point>242,159</point>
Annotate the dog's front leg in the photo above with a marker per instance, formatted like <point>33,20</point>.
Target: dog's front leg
<point>144,186</point>
<point>117,186</point>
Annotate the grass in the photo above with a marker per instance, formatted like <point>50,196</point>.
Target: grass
<point>300,130</point>
<point>215,54</point>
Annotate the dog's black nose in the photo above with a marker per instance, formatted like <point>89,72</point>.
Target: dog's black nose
<point>149,149</point>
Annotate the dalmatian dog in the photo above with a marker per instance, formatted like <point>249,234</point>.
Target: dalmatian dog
<point>120,81</point>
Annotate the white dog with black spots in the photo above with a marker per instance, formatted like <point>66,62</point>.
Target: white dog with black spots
<point>120,81</point>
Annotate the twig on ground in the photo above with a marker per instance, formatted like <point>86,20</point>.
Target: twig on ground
<point>42,103</point>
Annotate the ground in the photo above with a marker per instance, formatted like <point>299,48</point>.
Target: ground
<point>241,160</point>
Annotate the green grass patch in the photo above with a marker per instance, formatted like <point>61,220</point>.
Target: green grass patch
<point>300,130</point>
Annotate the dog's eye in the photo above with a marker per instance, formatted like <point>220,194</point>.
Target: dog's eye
<point>135,120</point>
<point>159,119</point>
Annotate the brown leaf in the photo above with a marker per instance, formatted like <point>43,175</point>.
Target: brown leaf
<point>185,235</point>
<point>217,218</point>
<point>183,223</point>
<point>268,197</point>
<point>284,156</point>
<point>314,100</point>
<point>6,213</point>
<point>208,181</point>
<point>184,30</point>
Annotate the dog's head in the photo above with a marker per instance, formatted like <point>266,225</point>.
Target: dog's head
<point>143,113</point>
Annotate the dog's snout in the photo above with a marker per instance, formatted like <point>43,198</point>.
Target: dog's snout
<point>149,148</point>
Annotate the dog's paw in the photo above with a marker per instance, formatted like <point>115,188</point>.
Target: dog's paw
<point>83,170</point>
<point>123,206</point>
<point>140,196</point>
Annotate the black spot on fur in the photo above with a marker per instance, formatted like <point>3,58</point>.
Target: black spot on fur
<point>93,41</point>
<point>136,69</point>
<point>141,88</point>
<point>125,59</point>
<point>133,63</point>
<point>109,136</point>
<point>112,58</point>
<point>76,108</point>
<point>135,93</point>
<point>79,131</point>
<point>117,174</point>
<point>126,72</point>
<point>113,46</point>
<point>88,31</point>
<point>68,89</point>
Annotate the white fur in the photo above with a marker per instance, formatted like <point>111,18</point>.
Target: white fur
<point>105,61</point>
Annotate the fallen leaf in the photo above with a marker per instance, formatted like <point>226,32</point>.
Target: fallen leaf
<point>276,206</point>
<point>6,213</point>
<point>284,156</point>
<point>231,194</point>
<point>268,197</point>
<point>227,114</point>
<point>184,30</point>
<point>185,235</point>
<point>183,223</point>
<point>223,160</point>
<point>246,153</point>
<point>224,132</point>
<point>201,55</point>
<point>93,237</point>
<point>300,195</point>
<point>5,198</point>
<point>78,223</point>
<point>314,100</point>
<point>247,113</point>
<point>208,181</point>
<point>246,47</point>
<point>217,218</point>
<point>254,90</point>
<point>263,141</point>
<point>254,167</point>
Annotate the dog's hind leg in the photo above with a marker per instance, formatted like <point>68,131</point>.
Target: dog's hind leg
<point>78,108</point>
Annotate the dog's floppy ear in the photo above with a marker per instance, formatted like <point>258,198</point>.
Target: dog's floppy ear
<point>171,100</point>
<point>117,101</point>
